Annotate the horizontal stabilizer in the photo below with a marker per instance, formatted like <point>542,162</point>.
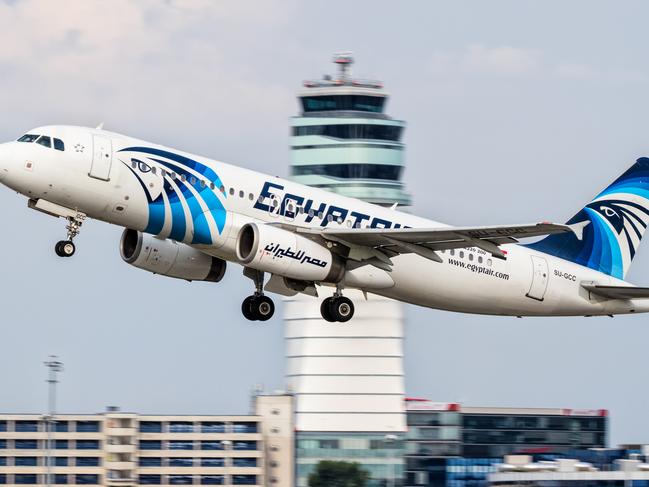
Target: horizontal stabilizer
<point>618,292</point>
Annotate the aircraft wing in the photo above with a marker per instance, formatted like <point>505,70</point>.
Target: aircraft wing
<point>618,292</point>
<point>425,241</point>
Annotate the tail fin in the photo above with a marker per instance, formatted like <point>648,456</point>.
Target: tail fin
<point>615,223</point>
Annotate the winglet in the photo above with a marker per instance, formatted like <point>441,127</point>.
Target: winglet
<point>578,229</point>
<point>100,126</point>
<point>394,206</point>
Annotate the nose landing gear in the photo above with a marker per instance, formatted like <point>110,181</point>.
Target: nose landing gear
<point>337,308</point>
<point>66,248</point>
<point>257,307</point>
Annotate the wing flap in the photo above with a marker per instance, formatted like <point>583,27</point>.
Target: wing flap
<point>618,292</point>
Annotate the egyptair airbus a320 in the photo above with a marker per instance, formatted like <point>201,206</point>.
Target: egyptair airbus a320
<point>186,216</point>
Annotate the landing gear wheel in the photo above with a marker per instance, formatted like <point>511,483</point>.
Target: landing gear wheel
<point>325,308</point>
<point>246,308</point>
<point>263,308</point>
<point>341,309</point>
<point>65,248</point>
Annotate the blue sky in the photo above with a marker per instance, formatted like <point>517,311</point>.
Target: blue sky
<point>517,111</point>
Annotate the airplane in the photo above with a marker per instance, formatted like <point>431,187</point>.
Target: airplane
<point>187,216</point>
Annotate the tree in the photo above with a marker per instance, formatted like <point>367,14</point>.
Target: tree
<point>329,473</point>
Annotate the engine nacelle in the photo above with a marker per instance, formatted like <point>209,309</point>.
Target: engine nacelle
<point>169,258</point>
<point>271,249</point>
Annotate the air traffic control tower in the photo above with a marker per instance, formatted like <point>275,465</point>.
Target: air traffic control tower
<point>347,377</point>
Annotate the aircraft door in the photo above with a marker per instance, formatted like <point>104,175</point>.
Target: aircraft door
<point>540,278</point>
<point>102,158</point>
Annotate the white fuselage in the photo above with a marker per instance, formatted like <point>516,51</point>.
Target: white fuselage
<point>97,176</point>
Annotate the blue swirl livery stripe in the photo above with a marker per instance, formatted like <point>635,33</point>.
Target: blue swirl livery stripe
<point>617,219</point>
<point>186,169</point>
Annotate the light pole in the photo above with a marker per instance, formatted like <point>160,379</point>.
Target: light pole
<point>54,367</point>
<point>391,440</point>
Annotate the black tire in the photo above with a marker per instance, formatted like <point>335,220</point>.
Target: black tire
<point>246,309</point>
<point>263,308</point>
<point>325,310</point>
<point>65,248</point>
<point>341,309</point>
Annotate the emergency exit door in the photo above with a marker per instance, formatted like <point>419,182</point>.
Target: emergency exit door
<point>102,158</point>
<point>540,278</point>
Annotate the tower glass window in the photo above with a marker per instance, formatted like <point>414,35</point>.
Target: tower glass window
<point>352,131</point>
<point>357,103</point>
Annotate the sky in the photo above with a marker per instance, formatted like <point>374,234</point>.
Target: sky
<point>517,111</point>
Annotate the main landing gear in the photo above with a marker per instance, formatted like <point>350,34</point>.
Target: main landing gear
<point>66,248</point>
<point>337,308</point>
<point>257,307</point>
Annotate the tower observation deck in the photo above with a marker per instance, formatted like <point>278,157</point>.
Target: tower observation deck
<point>345,142</point>
<point>347,379</point>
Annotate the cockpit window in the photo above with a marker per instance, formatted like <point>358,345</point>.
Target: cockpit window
<point>45,141</point>
<point>58,144</point>
<point>28,138</point>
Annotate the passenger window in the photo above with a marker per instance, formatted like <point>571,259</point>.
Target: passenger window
<point>222,189</point>
<point>480,260</point>
<point>231,191</point>
<point>173,175</point>
<point>471,257</point>
<point>59,145</point>
<point>320,215</point>
<point>260,199</point>
<point>154,170</point>
<point>251,196</point>
<point>311,213</point>
<point>183,178</point>
<point>192,180</point>
<point>330,218</point>
<point>212,186</point>
<point>45,141</point>
<point>203,183</point>
<point>28,138</point>
<point>461,254</point>
<point>489,262</point>
<point>452,252</point>
<point>241,193</point>
<point>133,164</point>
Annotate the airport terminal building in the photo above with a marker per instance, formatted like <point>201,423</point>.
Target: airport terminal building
<point>127,449</point>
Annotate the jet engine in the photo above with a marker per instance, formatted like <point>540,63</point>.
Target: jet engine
<point>271,249</point>
<point>169,258</point>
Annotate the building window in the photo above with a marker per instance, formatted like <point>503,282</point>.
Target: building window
<point>25,478</point>
<point>212,427</point>
<point>149,479</point>
<point>244,427</point>
<point>86,479</point>
<point>87,462</point>
<point>329,444</point>
<point>60,479</point>
<point>150,462</point>
<point>26,426</point>
<point>87,444</point>
<point>87,426</point>
<point>150,427</point>
<point>26,444</point>
<point>244,479</point>
<point>181,427</point>
<point>60,444</point>
<point>211,445</point>
<point>212,462</point>
<point>181,479</point>
<point>350,171</point>
<point>212,480</point>
<point>244,445</point>
<point>3,461</point>
<point>26,462</point>
<point>181,445</point>
<point>244,462</point>
<point>61,461</point>
<point>3,444</point>
<point>61,427</point>
<point>3,478</point>
<point>357,103</point>
<point>181,462</point>
<point>3,426</point>
<point>150,445</point>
